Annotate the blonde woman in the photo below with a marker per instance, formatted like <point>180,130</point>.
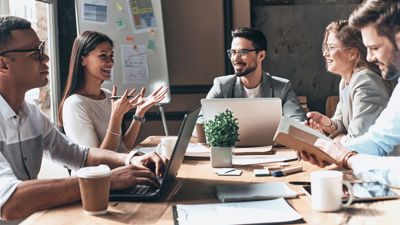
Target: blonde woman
<point>362,91</point>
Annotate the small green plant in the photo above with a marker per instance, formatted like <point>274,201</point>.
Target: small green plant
<point>222,131</point>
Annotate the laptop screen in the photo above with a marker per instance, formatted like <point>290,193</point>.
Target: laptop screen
<point>185,133</point>
<point>173,166</point>
<point>258,118</point>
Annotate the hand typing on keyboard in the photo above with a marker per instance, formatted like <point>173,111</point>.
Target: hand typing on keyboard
<point>128,176</point>
<point>153,161</point>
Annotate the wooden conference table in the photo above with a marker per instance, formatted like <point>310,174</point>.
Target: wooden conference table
<point>197,185</point>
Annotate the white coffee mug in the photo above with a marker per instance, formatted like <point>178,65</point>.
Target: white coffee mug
<point>166,146</point>
<point>327,190</point>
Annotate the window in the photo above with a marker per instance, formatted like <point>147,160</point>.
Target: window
<point>41,16</point>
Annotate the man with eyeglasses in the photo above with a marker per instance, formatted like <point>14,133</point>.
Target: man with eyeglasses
<point>26,134</point>
<point>379,23</point>
<point>248,50</point>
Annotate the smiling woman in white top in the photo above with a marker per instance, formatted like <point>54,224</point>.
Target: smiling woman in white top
<point>362,91</point>
<point>87,113</point>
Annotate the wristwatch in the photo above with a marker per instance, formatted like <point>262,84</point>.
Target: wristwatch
<point>142,120</point>
<point>131,155</point>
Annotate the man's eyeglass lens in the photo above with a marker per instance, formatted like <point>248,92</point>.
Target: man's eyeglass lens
<point>241,52</point>
<point>39,49</point>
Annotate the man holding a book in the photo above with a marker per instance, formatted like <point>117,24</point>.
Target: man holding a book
<point>379,22</point>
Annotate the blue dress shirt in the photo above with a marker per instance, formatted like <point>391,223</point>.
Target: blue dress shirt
<point>384,135</point>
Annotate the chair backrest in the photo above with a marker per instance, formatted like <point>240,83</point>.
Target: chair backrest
<point>330,106</point>
<point>303,103</point>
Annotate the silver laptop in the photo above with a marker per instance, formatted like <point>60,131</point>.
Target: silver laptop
<point>258,118</point>
<point>147,193</point>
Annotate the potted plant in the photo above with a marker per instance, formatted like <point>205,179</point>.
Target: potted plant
<point>222,134</point>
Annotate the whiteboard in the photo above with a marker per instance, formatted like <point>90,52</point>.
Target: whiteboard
<point>145,54</point>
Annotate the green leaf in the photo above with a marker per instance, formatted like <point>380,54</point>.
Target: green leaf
<point>222,130</point>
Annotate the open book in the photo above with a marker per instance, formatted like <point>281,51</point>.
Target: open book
<point>296,135</point>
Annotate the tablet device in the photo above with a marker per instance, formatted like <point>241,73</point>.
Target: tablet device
<point>366,191</point>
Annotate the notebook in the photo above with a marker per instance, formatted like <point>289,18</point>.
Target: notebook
<point>259,191</point>
<point>258,118</point>
<point>147,193</point>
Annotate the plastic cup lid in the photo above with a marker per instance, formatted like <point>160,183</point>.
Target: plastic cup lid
<point>94,171</point>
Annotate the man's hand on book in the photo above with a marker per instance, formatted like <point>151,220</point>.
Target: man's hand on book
<point>332,148</point>
<point>312,159</point>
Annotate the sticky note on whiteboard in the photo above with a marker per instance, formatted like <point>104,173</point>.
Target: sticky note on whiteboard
<point>121,23</point>
<point>118,6</point>
<point>151,45</point>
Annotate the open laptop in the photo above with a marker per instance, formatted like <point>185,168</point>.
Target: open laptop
<point>147,193</point>
<point>258,118</point>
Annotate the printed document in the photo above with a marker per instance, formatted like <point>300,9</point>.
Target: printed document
<point>254,212</point>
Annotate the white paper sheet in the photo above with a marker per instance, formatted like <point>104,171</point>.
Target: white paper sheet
<point>193,150</point>
<point>257,160</point>
<point>95,11</point>
<point>254,212</point>
<point>134,64</point>
<point>197,150</point>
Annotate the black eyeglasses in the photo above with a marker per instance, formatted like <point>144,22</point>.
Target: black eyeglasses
<point>39,49</point>
<point>241,52</point>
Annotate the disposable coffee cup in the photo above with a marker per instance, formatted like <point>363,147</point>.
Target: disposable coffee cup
<point>201,135</point>
<point>94,184</point>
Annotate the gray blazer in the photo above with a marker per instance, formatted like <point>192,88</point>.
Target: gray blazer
<point>368,95</point>
<point>230,86</point>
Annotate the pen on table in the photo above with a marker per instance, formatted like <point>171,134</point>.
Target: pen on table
<point>118,97</point>
<point>287,171</point>
<point>300,182</point>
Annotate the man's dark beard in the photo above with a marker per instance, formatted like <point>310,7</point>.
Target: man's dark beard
<point>247,71</point>
<point>393,68</point>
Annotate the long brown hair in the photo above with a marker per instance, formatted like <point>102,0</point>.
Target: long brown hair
<point>350,37</point>
<point>83,44</point>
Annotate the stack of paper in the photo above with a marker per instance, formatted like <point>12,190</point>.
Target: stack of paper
<point>241,161</point>
<point>255,212</point>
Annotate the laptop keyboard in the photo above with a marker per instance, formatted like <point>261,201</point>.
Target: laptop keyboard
<point>140,189</point>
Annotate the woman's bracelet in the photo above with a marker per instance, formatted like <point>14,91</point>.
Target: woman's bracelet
<point>346,159</point>
<point>112,132</point>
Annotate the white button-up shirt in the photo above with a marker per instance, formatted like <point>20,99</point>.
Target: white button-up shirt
<point>24,138</point>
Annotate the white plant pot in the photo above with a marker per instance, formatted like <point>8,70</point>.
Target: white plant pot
<point>221,156</point>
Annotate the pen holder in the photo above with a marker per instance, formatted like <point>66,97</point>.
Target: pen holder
<point>221,156</point>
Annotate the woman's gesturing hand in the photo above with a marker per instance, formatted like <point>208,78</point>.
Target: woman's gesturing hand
<point>149,101</point>
<point>125,103</point>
